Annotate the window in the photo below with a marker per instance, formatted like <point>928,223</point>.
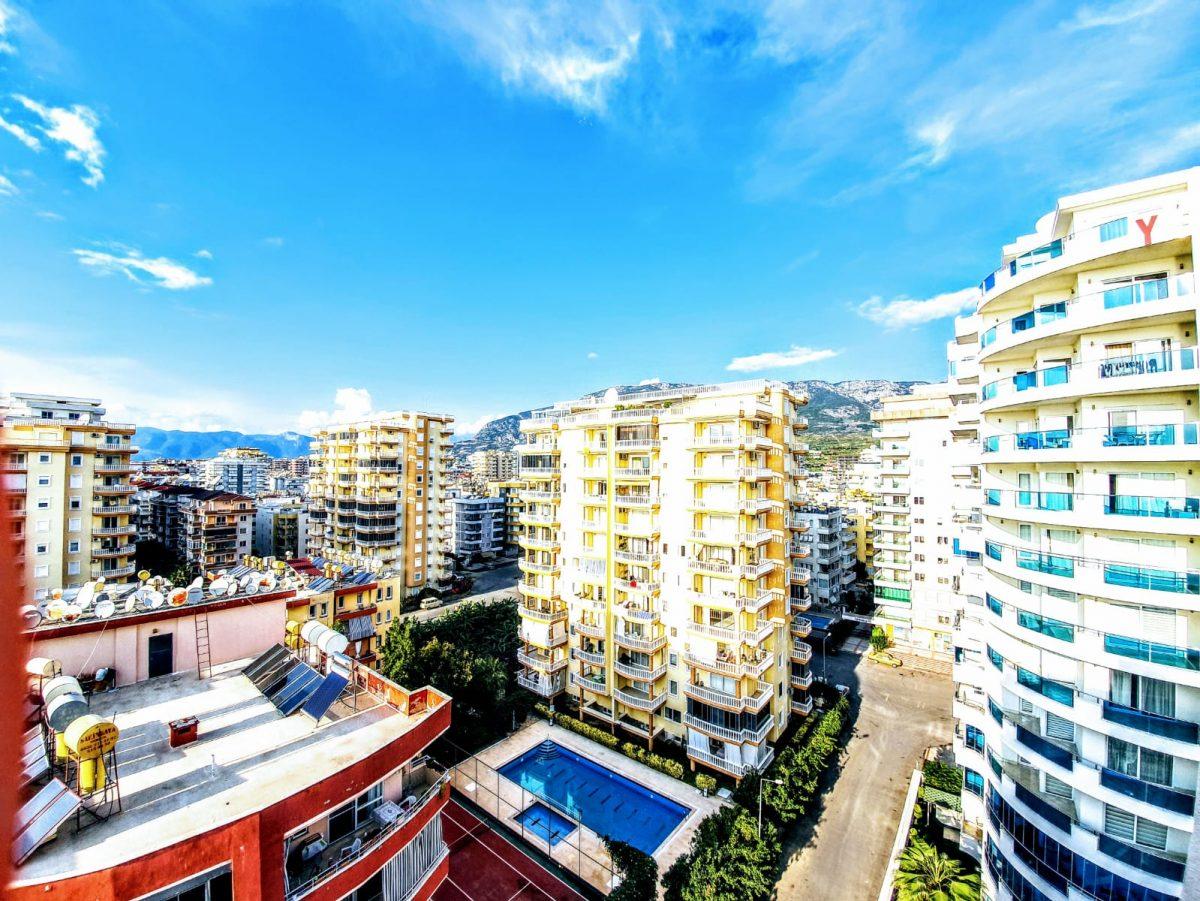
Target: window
<point>41,571</point>
<point>354,814</point>
<point>43,503</point>
<point>1143,693</point>
<point>43,458</point>
<point>43,481</point>
<point>1142,763</point>
<point>213,885</point>
<point>73,546</point>
<point>76,459</point>
<point>41,549</point>
<point>75,503</point>
<point>973,782</point>
<point>73,568</point>
<point>1117,228</point>
<point>1124,825</point>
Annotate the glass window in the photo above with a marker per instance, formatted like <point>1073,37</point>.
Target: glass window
<point>1117,228</point>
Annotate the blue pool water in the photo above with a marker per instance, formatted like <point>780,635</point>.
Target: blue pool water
<point>604,801</point>
<point>549,825</point>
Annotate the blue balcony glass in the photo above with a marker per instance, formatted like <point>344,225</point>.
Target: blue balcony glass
<point>1052,628</point>
<point>1151,579</point>
<point>989,282</point>
<point>1053,439</point>
<point>1153,652</point>
<point>993,550</point>
<point>1152,723</point>
<point>1144,505</point>
<point>1055,691</point>
<point>1142,860</point>
<point>1050,814</point>
<point>994,709</point>
<point>1153,435</point>
<point>1144,364</point>
<point>1050,564</point>
<point>991,444</point>
<point>1041,316</point>
<point>994,764</point>
<point>1159,795</point>
<point>996,658</point>
<point>1055,375</point>
<point>988,337</point>
<point>994,605</point>
<point>989,390</point>
<point>991,497</point>
<point>1056,500</point>
<point>1036,257</point>
<point>1047,749</point>
<point>1140,292</point>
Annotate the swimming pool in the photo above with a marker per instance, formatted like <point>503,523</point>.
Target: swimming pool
<point>604,801</point>
<point>549,825</point>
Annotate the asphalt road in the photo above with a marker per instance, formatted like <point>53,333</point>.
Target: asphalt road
<point>489,587</point>
<point>841,853</point>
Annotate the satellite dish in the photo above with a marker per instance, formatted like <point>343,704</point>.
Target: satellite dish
<point>55,609</point>
<point>244,581</point>
<point>31,615</point>
<point>218,586</point>
<point>232,588</point>
<point>252,588</point>
<point>269,582</point>
<point>177,597</point>
<point>197,582</point>
<point>194,594</point>
<point>100,580</point>
<point>60,685</point>
<point>143,575</point>
<point>56,594</point>
<point>155,600</point>
<point>71,612</point>
<point>85,595</point>
<point>105,608</point>
<point>41,666</point>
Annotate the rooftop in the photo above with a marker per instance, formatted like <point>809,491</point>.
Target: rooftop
<point>248,757</point>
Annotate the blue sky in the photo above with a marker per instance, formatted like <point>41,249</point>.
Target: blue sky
<point>261,215</point>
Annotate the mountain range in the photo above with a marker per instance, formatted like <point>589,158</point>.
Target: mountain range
<point>833,407</point>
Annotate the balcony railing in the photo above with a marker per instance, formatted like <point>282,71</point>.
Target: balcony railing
<point>737,735</point>
<point>725,699</point>
<point>1064,373</point>
<point>350,849</point>
<point>733,769</point>
<point>546,687</point>
<point>639,700</point>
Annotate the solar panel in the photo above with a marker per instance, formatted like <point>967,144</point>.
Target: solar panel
<point>40,816</point>
<point>289,701</point>
<point>273,672</point>
<point>360,627</point>
<point>276,682</point>
<point>269,657</point>
<point>282,688</point>
<point>34,764</point>
<point>326,693</point>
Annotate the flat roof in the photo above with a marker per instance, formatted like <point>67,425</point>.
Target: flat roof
<point>247,758</point>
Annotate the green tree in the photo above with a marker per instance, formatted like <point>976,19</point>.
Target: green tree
<point>637,871</point>
<point>727,861</point>
<point>879,639</point>
<point>926,874</point>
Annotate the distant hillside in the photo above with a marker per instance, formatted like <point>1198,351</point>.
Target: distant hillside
<point>175,443</point>
<point>833,407</point>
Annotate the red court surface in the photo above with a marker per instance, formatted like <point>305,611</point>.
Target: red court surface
<point>485,866</point>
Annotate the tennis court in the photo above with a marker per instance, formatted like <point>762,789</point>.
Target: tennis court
<point>485,866</point>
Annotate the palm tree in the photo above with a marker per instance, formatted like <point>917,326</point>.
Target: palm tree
<point>926,874</point>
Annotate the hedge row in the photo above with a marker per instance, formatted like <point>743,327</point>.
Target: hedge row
<point>799,767</point>
<point>672,768</point>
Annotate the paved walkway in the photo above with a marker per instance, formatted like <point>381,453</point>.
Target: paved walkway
<point>842,856</point>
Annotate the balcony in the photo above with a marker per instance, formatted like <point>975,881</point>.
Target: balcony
<point>755,736</point>
<point>640,643</point>
<point>801,627</point>
<point>712,567</point>
<point>637,586</point>
<point>543,592</point>
<point>737,770</point>
<point>638,614</point>
<point>115,572</point>
<point>546,569</point>
<point>585,656</point>
<point>304,872</point>
<point>802,707</point>
<point>595,686</point>
<point>123,550</point>
<point>639,700</point>
<point>637,529</point>
<point>1152,724</point>
<point>637,444</point>
<point>801,652</point>
<point>755,571</point>
<point>537,519</point>
<point>728,701</point>
<point>541,685</point>
<point>544,496</point>
<point>627,556</point>
<point>802,681</point>
<point>542,615</point>
<point>635,500</point>
<point>541,661</point>
<point>128,529</point>
<point>633,473</point>
<point>107,490</point>
<point>538,544</point>
<point>625,667</point>
<point>730,664</point>
<point>592,630</point>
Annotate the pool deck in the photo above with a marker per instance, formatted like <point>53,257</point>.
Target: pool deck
<point>582,854</point>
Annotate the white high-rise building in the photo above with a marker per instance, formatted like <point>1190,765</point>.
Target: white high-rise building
<point>238,470</point>
<point>829,536</point>
<point>479,525</point>
<point>1078,677</point>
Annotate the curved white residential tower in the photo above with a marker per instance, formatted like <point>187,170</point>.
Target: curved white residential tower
<point>1078,680</point>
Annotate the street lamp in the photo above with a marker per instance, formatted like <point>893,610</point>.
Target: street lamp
<point>760,785</point>
<point>824,659</point>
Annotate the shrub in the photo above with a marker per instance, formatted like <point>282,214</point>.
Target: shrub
<point>705,783</point>
<point>943,776</point>
<point>798,769</point>
<point>879,639</point>
<point>727,861</point>
<point>636,869</point>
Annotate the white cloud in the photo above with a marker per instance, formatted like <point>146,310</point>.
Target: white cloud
<point>273,241</point>
<point>7,188</point>
<point>75,128</point>
<point>131,390</point>
<point>902,312</point>
<point>654,381</point>
<point>473,427</point>
<point>158,272</point>
<point>1114,14</point>
<point>49,215</point>
<point>8,17</point>
<point>350,405</point>
<point>1181,145</point>
<point>793,356</point>
<point>592,355</point>
<point>20,134</point>
<point>204,253</point>
<point>574,52</point>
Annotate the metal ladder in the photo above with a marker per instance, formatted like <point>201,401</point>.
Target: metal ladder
<point>203,658</point>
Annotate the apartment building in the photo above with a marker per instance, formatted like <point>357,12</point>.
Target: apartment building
<point>376,495</point>
<point>478,525</point>
<point>514,506</point>
<point>239,470</point>
<point>362,605</point>
<point>658,586</point>
<point>66,483</point>
<point>1079,724</point>
<point>217,528</point>
<point>829,538</point>
<point>493,466</point>
<point>281,527</point>
<point>306,776</point>
<point>916,565</point>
